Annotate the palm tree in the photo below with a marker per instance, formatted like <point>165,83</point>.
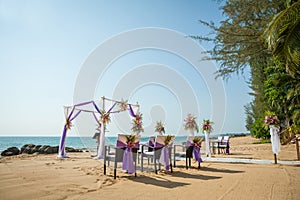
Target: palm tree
<point>283,37</point>
<point>293,97</point>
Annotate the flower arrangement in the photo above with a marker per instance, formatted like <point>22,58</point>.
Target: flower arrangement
<point>190,123</point>
<point>105,118</point>
<point>207,125</point>
<point>159,127</point>
<point>137,124</point>
<point>130,140</point>
<point>168,139</point>
<point>270,119</point>
<point>123,105</point>
<point>197,141</point>
<point>68,124</point>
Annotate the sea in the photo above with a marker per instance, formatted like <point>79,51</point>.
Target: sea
<point>85,143</point>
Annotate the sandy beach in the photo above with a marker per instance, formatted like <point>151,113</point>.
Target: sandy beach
<point>81,177</point>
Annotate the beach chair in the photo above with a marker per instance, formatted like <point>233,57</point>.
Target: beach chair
<point>160,153</point>
<point>226,144</point>
<point>217,144</point>
<point>147,148</point>
<point>125,152</point>
<point>223,145</point>
<point>193,143</point>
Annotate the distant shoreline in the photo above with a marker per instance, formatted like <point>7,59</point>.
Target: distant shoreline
<point>82,142</point>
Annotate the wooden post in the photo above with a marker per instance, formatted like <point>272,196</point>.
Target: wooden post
<point>103,104</point>
<point>297,148</point>
<point>275,158</point>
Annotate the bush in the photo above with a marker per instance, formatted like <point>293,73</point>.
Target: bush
<point>258,131</point>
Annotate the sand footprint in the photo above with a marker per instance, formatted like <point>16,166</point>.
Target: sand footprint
<point>105,182</point>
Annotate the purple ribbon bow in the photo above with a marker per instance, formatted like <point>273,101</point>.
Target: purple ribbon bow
<point>127,156</point>
<point>196,151</point>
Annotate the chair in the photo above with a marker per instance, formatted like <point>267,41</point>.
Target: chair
<point>160,153</point>
<point>226,144</point>
<point>125,152</point>
<point>216,144</point>
<point>188,151</point>
<point>223,144</point>
<point>147,149</point>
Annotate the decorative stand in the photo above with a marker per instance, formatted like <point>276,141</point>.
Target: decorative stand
<point>207,144</point>
<point>274,132</point>
<point>191,132</point>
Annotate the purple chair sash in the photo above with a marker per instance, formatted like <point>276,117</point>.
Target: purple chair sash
<point>127,156</point>
<point>150,143</point>
<point>164,156</point>
<point>196,151</point>
<point>227,146</point>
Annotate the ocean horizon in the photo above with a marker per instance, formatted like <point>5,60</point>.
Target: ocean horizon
<point>79,142</point>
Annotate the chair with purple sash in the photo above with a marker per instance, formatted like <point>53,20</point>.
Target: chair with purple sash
<point>125,152</point>
<point>147,150</point>
<point>218,145</point>
<point>160,153</point>
<point>223,145</point>
<point>191,149</point>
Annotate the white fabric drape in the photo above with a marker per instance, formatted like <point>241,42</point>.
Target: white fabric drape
<point>207,145</point>
<point>275,140</point>
<point>101,148</point>
<point>191,132</point>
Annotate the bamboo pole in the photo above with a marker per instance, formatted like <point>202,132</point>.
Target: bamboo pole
<point>297,148</point>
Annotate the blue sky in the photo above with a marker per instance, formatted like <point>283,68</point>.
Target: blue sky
<point>45,43</point>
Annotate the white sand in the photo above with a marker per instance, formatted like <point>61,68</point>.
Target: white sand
<point>81,177</point>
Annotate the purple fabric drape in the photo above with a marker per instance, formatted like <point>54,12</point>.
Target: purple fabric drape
<point>165,159</point>
<point>131,111</point>
<point>150,143</point>
<point>158,145</point>
<point>70,117</point>
<point>62,152</point>
<point>112,107</point>
<point>127,156</point>
<point>75,115</point>
<point>196,151</point>
<point>96,119</point>
<point>96,107</point>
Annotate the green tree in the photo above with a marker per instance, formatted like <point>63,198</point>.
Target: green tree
<point>283,37</point>
<point>258,130</point>
<point>238,43</point>
<point>237,40</point>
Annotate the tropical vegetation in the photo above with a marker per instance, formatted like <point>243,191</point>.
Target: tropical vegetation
<point>262,36</point>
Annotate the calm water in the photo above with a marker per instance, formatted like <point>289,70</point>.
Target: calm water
<point>76,142</point>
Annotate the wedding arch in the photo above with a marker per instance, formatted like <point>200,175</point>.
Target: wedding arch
<point>101,116</point>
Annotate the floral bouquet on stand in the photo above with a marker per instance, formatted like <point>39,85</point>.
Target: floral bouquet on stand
<point>137,124</point>
<point>68,124</point>
<point>271,119</point>
<point>207,125</point>
<point>105,118</point>
<point>206,129</point>
<point>123,105</point>
<point>190,123</point>
<point>159,127</point>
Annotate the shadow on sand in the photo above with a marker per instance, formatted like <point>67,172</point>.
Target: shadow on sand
<point>160,182</point>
